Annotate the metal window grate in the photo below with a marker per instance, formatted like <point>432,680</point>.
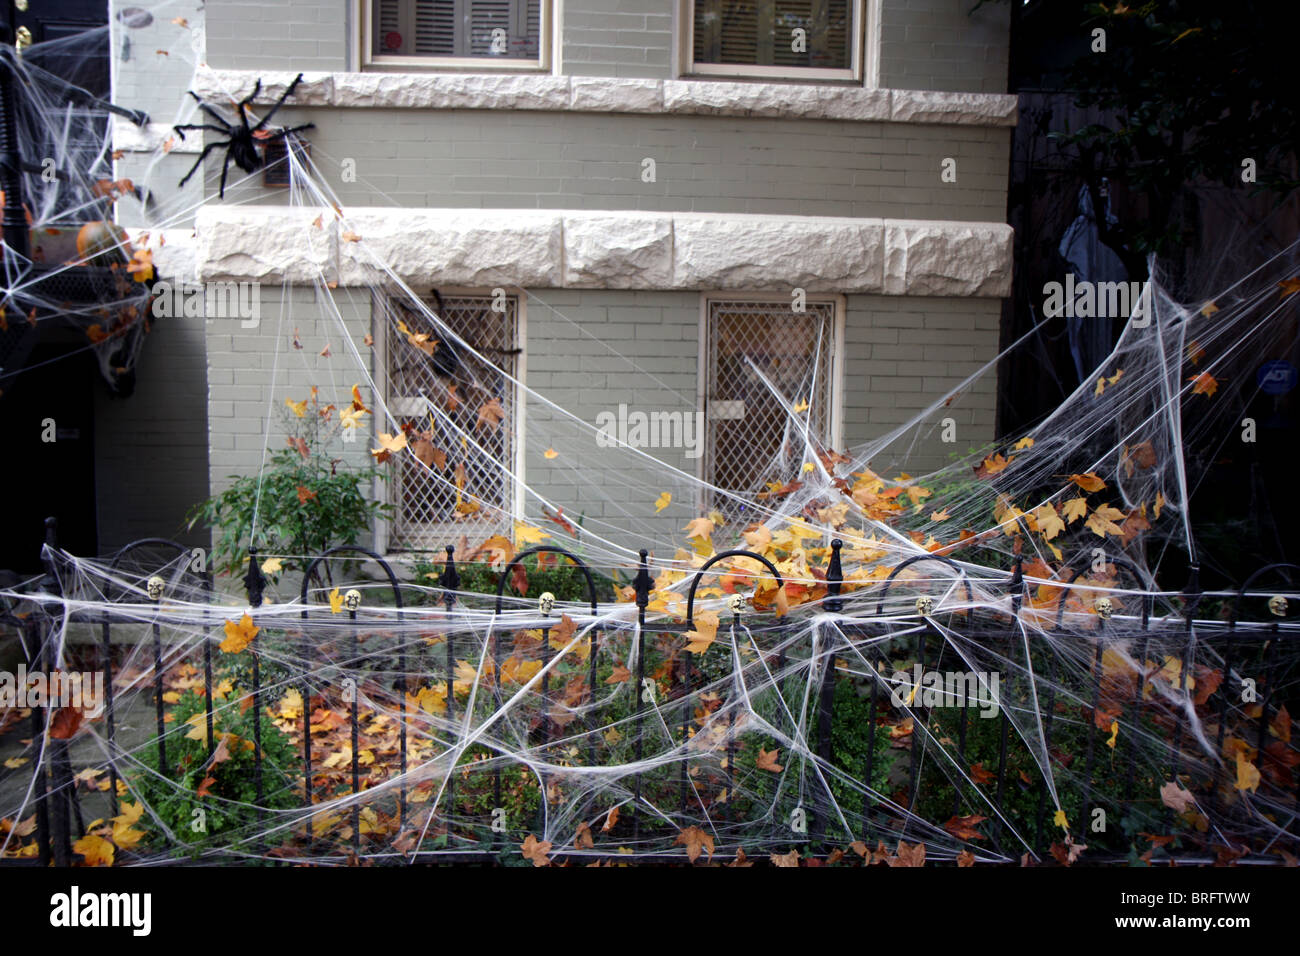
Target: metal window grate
<point>752,439</point>
<point>426,514</point>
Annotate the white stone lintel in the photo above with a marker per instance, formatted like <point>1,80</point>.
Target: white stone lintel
<point>514,91</point>
<point>603,250</point>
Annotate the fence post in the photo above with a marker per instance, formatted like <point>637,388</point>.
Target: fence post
<point>255,584</point>
<point>58,768</point>
<point>826,697</point>
<point>641,584</point>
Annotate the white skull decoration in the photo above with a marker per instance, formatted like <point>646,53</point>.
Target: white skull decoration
<point>546,603</point>
<point>738,604</point>
<point>155,587</point>
<point>1277,605</point>
<point>1104,608</point>
<point>925,606</point>
<point>352,600</point>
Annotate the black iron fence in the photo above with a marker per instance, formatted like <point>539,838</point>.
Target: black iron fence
<point>873,767</point>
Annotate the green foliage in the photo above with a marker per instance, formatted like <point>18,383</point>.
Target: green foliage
<point>1187,89</point>
<point>560,577</point>
<point>229,808</point>
<point>304,503</point>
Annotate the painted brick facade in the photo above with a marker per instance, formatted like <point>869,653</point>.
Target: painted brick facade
<point>901,352</point>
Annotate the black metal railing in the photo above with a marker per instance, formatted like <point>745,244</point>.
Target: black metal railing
<point>1052,713</point>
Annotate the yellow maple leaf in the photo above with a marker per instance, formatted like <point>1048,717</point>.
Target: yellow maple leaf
<point>1074,509</point>
<point>299,408</point>
<point>1088,481</point>
<point>526,535</point>
<point>1114,734</point>
<point>701,528</point>
<point>1060,821</point>
<point>1102,522</point>
<point>388,444</point>
<point>238,635</point>
<point>96,850</point>
<point>1247,774</point>
<point>704,634</point>
<point>1049,522</point>
<point>663,501</point>
<point>1024,443</point>
<point>272,566</point>
<point>336,601</point>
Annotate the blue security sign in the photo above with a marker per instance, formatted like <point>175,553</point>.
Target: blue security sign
<point>1277,377</point>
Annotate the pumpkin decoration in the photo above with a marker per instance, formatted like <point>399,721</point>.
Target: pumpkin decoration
<point>102,243</point>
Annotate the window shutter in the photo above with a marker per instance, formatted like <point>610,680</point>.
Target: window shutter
<point>761,32</point>
<point>435,27</point>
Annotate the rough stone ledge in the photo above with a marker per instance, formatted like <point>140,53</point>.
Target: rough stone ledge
<point>529,91</point>
<point>603,250</point>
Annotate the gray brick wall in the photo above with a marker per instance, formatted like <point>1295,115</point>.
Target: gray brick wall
<point>904,354</point>
<point>942,45</point>
<point>490,159</point>
<point>280,34</point>
<point>618,38</point>
<point>589,351</point>
<point>922,44</point>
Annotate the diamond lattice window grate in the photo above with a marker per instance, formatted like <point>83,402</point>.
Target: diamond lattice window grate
<point>426,515</point>
<point>752,439</point>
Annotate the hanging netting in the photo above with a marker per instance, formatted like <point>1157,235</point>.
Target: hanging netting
<point>812,650</point>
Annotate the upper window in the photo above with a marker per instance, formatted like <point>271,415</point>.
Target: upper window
<point>816,39</point>
<point>476,34</point>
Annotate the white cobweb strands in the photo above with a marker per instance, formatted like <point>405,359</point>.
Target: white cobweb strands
<point>1004,665</point>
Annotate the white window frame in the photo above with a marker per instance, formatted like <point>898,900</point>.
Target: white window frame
<point>548,41</point>
<point>864,52</point>
<point>840,302</point>
<point>379,372</point>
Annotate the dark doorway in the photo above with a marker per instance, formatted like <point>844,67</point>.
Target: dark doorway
<point>77,34</point>
<point>49,478</point>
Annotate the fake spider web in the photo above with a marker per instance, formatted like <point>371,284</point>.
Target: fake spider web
<point>447,728</point>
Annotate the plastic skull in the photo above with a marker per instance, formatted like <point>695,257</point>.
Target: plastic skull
<point>155,587</point>
<point>352,600</point>
<point>1104,608</point>
<point>925,606</point>
<point>546,603</point>
<point>1277,605</point>
<point>738,604</point>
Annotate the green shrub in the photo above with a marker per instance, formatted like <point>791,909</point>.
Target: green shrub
<point>228,809</point>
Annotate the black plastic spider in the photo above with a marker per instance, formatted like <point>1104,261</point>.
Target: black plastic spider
<point>241,147</point>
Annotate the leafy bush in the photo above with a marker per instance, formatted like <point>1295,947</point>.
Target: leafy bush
<point>229,786</point>
<point>306,500</point>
